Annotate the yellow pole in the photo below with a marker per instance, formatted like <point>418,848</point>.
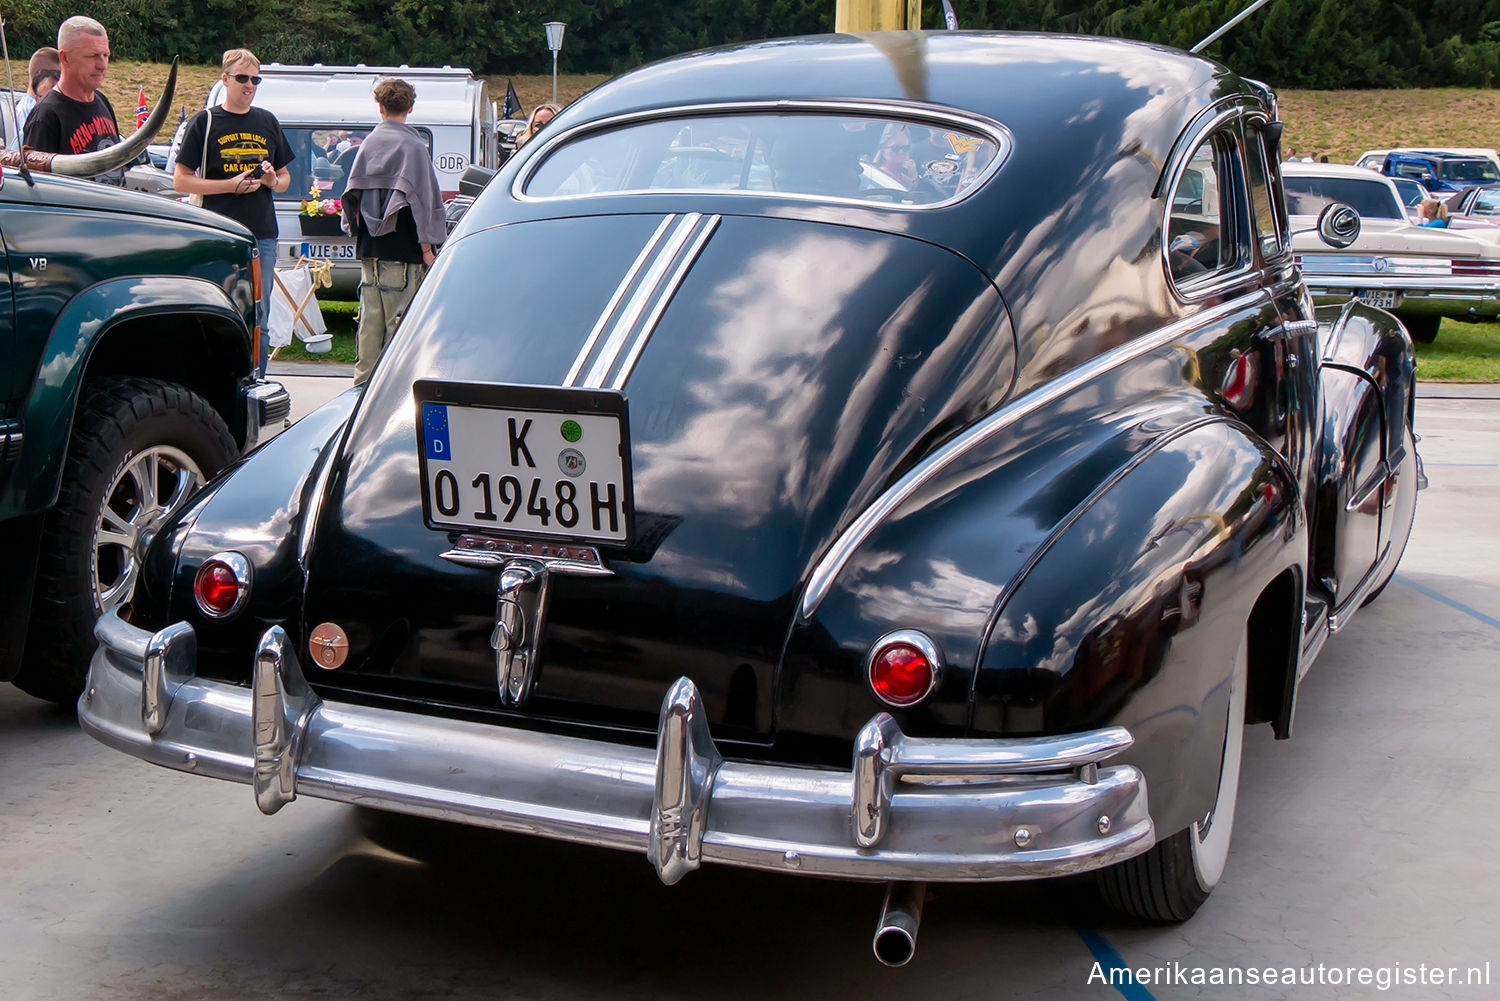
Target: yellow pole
<point>877,15</point>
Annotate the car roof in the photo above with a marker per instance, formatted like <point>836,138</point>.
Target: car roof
<point>934,68</point>
<point>345,95</point>
<point>1291,169</point>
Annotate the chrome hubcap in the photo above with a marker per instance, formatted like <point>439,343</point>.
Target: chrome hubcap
<point>147,489</point>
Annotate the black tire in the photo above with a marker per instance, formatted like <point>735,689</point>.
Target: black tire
<point>126,430</point>
<point>1423,329</point>
<point>1172,880</point>
<point>1404,511</point>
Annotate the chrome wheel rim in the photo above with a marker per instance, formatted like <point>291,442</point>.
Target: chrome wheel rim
<point>147,489</point>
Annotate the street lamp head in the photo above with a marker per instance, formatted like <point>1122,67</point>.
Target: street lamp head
<point>554,34</point>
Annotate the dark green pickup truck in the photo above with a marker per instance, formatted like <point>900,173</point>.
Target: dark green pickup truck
<point>127,380</point>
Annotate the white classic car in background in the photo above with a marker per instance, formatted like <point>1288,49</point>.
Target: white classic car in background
<point>1421,275</point>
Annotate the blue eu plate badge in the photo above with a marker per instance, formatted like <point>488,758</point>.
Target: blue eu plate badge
<point>435,430</point>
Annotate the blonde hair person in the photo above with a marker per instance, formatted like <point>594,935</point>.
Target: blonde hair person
<point>1432,214</point>
<point>235,156</point>
<point>540,116</point>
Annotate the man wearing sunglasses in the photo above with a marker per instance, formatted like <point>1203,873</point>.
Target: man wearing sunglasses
<point>235,156</point>
<point>74,117</point>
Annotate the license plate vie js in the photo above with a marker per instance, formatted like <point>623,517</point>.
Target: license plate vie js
<point>1383,298</point>
<point>329,251</point>
<point>525,460</point>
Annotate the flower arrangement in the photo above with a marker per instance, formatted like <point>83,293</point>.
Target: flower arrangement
<point>316,205</point>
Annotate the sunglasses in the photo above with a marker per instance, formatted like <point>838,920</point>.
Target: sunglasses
<point>244,78</point>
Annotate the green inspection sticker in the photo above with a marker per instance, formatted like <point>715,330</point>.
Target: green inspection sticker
<point>571,431</point>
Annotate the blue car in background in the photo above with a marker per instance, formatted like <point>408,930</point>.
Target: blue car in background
<point>1441,173</point>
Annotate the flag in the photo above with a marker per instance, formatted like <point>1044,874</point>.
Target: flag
<point>949,18</point>
<point>142,110</point>
<point>512,106</point>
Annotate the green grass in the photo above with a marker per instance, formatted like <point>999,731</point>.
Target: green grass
<point>338,316</point>
<point>1463,352</point>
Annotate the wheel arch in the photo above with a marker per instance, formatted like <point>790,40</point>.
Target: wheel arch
<point>184,330</point>
<point>1274,637</point>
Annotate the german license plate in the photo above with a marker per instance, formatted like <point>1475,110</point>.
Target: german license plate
<point>525,460</point>
<point>1383,298</point>
<point>329,251</point>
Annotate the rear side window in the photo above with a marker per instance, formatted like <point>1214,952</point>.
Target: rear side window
<point>1269,234</point>
<point>1201,227</point>
<point>866,158</point>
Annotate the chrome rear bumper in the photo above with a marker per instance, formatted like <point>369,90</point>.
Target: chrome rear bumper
<point>909,809</point>
<point>267,407</point>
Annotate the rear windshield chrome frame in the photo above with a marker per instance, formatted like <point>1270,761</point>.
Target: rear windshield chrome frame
<point>907,111</point>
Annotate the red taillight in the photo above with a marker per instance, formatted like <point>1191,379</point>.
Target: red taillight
<point>222,585</point>
<point>1476,267</point>
<point>904,667</point>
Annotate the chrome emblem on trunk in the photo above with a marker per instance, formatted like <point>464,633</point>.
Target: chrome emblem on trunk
<point>328,645</point>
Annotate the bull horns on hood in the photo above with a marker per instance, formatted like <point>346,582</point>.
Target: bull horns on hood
<point>104,160</point>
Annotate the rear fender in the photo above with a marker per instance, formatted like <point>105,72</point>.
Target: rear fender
<point>942,562</point>
<point>111,329</point>
<point>1132,611</point>
<point>262,507</point>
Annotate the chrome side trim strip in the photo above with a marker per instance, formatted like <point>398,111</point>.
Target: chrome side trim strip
<point>673,284</point>
<point>614,301</point>
<point>649,287</point>
<point>827,568</point>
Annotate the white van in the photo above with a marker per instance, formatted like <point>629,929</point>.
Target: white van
<point>326,111</point>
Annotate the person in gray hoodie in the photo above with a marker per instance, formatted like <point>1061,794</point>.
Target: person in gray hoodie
<point>393,208</point>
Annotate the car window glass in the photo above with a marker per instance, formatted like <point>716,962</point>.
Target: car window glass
<point>1262,210</point>
<point>1306,195</point>
<point>1411,192</point>
<point>322,158</point>
<point>1486,203</point>
<point>1468,170</point>
<point>1194,230</point>
<point>840,156</point>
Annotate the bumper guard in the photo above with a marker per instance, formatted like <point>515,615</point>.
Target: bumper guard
<point>909,809</point>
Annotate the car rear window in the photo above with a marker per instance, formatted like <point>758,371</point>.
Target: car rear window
<point>1371,199</point>
<point>866,158</point>
<point>322,157</point>
<point>1467,170</point>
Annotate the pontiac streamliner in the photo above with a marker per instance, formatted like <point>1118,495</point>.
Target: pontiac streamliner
<point>928,463</point>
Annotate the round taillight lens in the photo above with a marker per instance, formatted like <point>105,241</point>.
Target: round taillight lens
<point>222,584</point>
<point>904,667</point>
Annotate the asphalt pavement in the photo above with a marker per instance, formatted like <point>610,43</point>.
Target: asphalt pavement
<point>1363,862</point>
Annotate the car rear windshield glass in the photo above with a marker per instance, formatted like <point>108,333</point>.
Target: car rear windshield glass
<point>1371,199</point>
<point>835,156</point>
<point>1467,170</point>
<point>322,158</point>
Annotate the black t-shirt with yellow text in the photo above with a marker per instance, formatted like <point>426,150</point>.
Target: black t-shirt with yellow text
<point>236,143</point>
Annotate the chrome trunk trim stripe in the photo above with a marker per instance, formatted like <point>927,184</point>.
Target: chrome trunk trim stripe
<point>653,288</point>
<point>826,569</point>
<point>669,290</point>
<point>625,285</point>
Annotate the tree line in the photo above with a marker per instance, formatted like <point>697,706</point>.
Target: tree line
<point>1323,44</point>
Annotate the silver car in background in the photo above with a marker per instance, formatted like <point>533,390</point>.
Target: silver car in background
<point>1420,274</point>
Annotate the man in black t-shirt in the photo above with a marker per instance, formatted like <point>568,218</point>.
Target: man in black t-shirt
<point>239,167</point>
<point>74,117</point>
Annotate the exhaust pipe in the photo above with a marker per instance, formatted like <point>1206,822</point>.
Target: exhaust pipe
<point>896,931</point>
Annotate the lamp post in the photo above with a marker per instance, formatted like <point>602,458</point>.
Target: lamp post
<point>554,42</point>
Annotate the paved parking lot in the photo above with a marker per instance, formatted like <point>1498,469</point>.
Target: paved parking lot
<point>1364,843</point>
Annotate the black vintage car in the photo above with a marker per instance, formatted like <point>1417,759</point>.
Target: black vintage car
<point>913,451</point>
